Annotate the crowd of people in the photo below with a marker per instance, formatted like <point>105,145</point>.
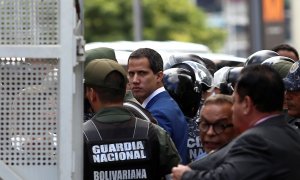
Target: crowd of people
<point>186,119</point>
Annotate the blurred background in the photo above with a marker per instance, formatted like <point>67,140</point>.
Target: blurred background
<point>235,27</point>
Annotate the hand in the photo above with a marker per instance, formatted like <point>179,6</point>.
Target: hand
<point>178,171</point>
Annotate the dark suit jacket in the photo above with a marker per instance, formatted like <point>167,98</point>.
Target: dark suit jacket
<point>293,121</point>
<point>169,116</point>
<point>268,151</point>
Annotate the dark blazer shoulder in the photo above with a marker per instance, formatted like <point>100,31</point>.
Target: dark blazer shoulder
<point>212,160</point>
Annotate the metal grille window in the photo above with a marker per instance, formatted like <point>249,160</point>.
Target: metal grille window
<point>29,100</point>
<point>30,22</point>
<point>41,90</point>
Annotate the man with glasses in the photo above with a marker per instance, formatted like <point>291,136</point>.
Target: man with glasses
<point>267,148</point>
<point>216,128</point>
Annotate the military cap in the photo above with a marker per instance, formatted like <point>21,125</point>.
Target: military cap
<point>280,63</point>
<point>97,70</point>
<point>292,80</point>
<point>99,53</point>
<point>282,68</point>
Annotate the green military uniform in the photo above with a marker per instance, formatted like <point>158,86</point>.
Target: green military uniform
<point>163,158</point>
<point>116,143</point>
<point>129,97</point>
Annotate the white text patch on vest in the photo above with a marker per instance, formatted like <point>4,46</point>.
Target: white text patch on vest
<point>118,152</point>
<point>120,174</point>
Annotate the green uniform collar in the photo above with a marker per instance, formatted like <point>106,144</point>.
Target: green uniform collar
<point>112,114</point>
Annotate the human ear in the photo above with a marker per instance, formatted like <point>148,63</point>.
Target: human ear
<point>160,76</point>
<point>247,105</point>
<point>90,93</point>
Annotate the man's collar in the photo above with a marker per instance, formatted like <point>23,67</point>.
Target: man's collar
<point>157,91</point>
<point>265,118</point>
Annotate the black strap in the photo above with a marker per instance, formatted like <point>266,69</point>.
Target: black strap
<point>142,129</point>
<point>138,111</point>
<point>89,131</point>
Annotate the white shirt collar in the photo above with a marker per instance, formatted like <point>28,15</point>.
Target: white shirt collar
<point>157,91</point>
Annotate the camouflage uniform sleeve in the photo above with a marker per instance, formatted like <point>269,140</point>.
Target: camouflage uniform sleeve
<point>169,156</point>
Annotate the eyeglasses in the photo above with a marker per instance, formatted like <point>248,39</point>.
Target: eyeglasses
<point>218,127</point>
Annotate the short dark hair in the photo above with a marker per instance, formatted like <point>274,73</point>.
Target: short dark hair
<point>154,58</point>
<point>263,85</point>
<point>286,47</point>
<point>107,95</point>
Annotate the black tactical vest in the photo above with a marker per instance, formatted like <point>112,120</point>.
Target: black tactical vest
<point>119,150</point>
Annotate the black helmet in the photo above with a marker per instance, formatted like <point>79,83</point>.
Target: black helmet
<point>233,75</point>
<point>259,56</point>
<point>184,89</point>
<point>281,64</point>
<point>210,65</point>
<point>175,59</point>
<point>231,78</point>
<point>225,79</point>
<point>202,75</point>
